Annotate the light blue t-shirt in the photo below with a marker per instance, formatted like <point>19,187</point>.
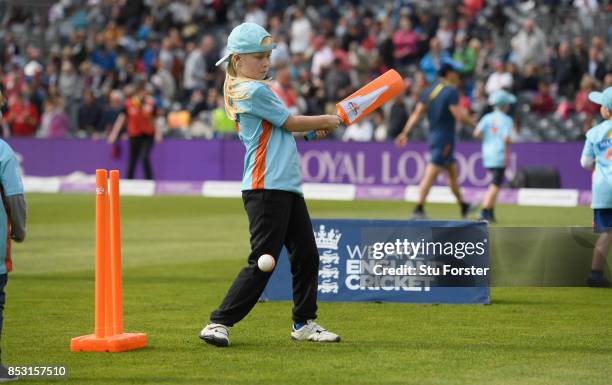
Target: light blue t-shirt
<point>271,159</point>
<point>10,180</point>
<point>496,127</point>
<point>598,146</point>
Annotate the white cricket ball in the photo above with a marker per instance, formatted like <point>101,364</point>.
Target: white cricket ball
<point>266,263</point>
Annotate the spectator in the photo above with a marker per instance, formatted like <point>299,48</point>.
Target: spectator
<point>254,14</point>
<point>276,27</point>
<point>70,87</point>
<point>103,56</point>
<point>586,108</point>
<point>543,102</point>
<point>146,29</point>
<point>22,116</point>
<point>463,28</point>
<point>13,81</point>
<point>529,45</point>
<point>479,104</point>
<point>198,103</point>
<point>596,67</point>
<point>301,32</point>
<point>90,114</point>
<point>398,116</point>
<point>55,123</point>
<point>322,58</point>
<point>223,127</point>
<point>581,54</point>
<point>380,128</point>
<point>197,74</point>
<point>528,83</point>
<point>500,79</point>
<point>566,71</point>
<point>445,34</point>
<point>361,131</point>
<point>607,80</point>
<point>280,55</point>
<point>166,54</point>
<point>386,49</point>
<point>465,55</point>
<point>586,11</point>
<point>359,61</point>
<point>124,72</point>
<point>111,44</point>
<point>109,115</point>
<point>340,54</point>
<point>33,69</point>
<point>405,43</point>
<point>283,88</point>
<point>78,49</point>
<point>432,61</point>
<point>165,84</point>
<point>337,83</point>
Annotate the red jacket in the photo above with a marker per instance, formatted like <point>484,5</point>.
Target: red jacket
<point>22,118</point>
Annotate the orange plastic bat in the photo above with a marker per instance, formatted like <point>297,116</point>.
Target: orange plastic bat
<point>368,98</point>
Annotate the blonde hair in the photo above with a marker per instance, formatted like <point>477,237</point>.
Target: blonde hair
<point>232,92</point>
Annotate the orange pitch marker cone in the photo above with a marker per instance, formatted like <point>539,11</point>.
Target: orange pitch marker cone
<point>108,331</point>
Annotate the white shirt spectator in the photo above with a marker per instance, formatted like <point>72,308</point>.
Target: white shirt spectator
<point>324,57</point>
<point>301,32</point>
<point>362,131</point>
<point>498,81</point>
<point>195,69</point>
<point>586,11</point>
<point>163,80</point>
<point>529,45</point>
<point>445,36</point>
<point>257,16</point>
<point>32,68</point>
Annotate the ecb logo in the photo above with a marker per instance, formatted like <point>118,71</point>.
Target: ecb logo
<point>353,108</point>
<point>327,243</point>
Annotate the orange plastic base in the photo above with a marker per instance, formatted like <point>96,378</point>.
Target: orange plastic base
<point>117,343</point>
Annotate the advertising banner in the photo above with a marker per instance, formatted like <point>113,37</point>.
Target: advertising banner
<point>395,261</point>
<point>362,164</point>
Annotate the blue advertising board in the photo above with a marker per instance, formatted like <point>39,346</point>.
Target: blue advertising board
<point>395,261</point>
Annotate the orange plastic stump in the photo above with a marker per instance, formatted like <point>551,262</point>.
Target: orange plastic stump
<point>117,343</point>
<point>108,329</point>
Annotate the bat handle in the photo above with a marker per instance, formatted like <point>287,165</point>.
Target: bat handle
<point>312,135</point>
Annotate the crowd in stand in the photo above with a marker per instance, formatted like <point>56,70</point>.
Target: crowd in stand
<point>68,69</point>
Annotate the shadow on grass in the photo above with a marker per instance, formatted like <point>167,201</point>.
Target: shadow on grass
<point>522,302</point>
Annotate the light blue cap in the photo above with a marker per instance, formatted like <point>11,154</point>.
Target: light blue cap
<point>602,98</point>
<point>246,38</point>
<point>501,98</point>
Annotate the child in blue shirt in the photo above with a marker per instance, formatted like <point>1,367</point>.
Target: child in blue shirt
<point>271,189</point>
<point>495,131</point>
<point>13,213</point>
<point>597,157</point>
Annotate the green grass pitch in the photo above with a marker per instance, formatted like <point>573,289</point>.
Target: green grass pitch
<point>180,256</point>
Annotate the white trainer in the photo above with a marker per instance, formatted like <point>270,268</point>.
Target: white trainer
<point>313,332</point>
<point>215,334</point>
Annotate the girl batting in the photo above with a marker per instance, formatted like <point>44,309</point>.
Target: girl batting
<point>271,189</point>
